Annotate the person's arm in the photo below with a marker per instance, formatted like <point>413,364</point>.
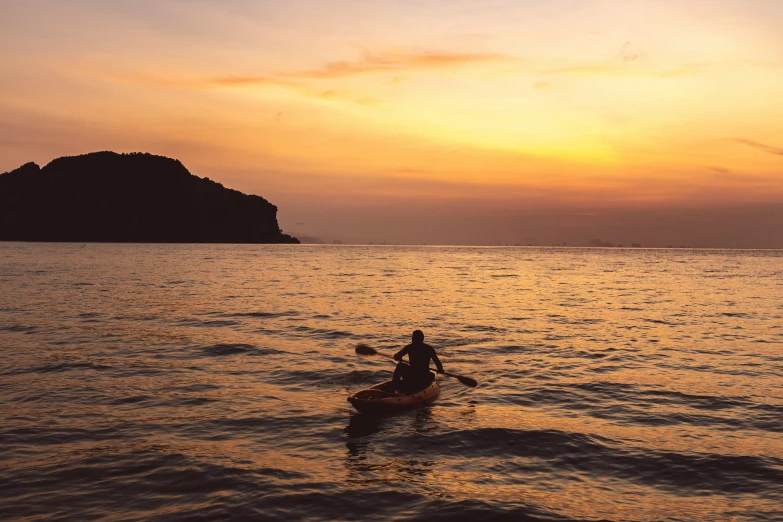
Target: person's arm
<point>399,355</point>
<point>437,361</point>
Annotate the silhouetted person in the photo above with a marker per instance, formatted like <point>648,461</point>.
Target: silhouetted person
<point>417,375</point>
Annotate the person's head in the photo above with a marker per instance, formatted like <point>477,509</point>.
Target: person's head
<point>418,336</point>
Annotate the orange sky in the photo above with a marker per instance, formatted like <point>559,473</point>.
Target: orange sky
<point>347,108</point>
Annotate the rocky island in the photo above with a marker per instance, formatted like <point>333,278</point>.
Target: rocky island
<point>110,197</point>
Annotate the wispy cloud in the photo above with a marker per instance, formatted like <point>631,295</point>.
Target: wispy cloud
<point>761,146</point>
<point>336,95</point>
<point>238,81</point>
<point>368,63</point>
<point>181,82</point>
<point>371,63</point>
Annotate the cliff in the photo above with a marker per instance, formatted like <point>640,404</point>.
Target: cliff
<point>141,198</point>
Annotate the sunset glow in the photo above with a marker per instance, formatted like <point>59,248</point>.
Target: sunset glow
<point>508,104</point>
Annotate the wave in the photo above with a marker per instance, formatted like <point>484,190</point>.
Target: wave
<point>259,315</point>
<point>61,367</point>
<point>631,404</point>
<point>206,324</point>
<point>324,333</point>
<point>482,328</point>
<point>328,378</point>
<point>578,452</point>
<point>231,404</point>
<point>18,328</point>
<point>140,485</point>
<point>15,437</point>
<point>224,349</point>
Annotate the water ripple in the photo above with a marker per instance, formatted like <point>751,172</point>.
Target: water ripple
<point>209,382</point>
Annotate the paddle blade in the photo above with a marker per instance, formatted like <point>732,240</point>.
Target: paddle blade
<point>467,381</point>
<point>363,349</point>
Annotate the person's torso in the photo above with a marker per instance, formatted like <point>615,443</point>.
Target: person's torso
<point>419,357</point>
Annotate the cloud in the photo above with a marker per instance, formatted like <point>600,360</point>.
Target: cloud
<point>720,170</point>
<point>330,95</point>
<point>542,85</point>
<point>301,80</point>
<point>756,145</point>
<point>371,63</point>
<point>239,81</point>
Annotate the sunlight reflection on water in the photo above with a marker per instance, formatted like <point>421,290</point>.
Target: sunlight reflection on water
<point>166,381</point>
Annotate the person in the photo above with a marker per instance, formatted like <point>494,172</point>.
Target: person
<point>417,375</point>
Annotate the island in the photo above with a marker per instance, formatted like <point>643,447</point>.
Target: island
<point>138,197</point>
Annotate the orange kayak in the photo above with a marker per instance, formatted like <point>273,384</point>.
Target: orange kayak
<point>381,398</point>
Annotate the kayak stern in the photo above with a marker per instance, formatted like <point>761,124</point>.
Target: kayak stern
<point>382,399</point>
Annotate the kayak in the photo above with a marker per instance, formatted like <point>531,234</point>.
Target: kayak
<point>381,398</point>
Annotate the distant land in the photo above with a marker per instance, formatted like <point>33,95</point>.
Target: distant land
<point>111,197</point>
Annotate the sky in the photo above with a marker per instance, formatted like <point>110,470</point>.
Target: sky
<point>427,121</point>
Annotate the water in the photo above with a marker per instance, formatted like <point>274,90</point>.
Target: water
<point>154,382</point>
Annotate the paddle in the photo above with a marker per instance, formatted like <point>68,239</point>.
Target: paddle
<point>363,349</point>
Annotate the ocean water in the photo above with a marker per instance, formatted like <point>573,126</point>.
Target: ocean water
<point>201,382</point>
